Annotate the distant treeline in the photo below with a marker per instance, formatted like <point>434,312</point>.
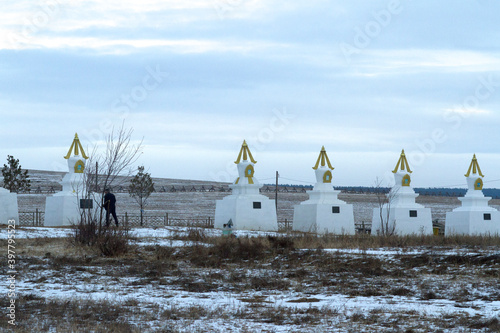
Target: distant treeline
<point>436,191</point>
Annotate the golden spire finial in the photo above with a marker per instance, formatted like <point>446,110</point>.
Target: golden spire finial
<point>323,158</point>
<point>76,146</point>
<point>402,163</point>
<point>474,167</point>
<point>245,151</point>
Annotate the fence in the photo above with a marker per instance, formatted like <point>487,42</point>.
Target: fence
<point>363,227</point>
<point>284,225</point>
<point>37,218</point>
<point>366,227</point>
<point>51,189</point>
<point>134,220</point>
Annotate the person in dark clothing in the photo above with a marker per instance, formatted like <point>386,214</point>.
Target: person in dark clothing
<point>110,206</point>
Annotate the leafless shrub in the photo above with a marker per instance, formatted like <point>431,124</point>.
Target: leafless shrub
<point>113,242</point>
<point>108,241</point>
<point>85,233</point>
<point>384,201</point>
<point>101,171</point>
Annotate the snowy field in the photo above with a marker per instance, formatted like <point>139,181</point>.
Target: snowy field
<point>178,279</point>
<point>201,205</point>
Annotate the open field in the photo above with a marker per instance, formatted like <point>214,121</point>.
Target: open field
<point>178,279</point>
<point>201,205</point>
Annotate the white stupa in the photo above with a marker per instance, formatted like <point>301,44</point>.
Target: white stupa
<point>400,214</point>
<point>8,207</point>
<point>63,207</point>
<point>323,212</point>
<point>474,217</point>
<point>246,207</point>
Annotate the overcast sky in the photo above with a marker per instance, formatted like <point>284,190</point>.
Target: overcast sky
<point>365,79</point>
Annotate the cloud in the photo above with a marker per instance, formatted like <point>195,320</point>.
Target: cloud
<point>466,112</point>
<point>232,63</point>
<point>380,62</point>
<point>124,46</point>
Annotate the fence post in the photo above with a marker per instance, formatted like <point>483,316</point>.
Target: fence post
<point>168,223</point>
<point>34,218</point>
<point>37,220</point>
<point>126,219</point>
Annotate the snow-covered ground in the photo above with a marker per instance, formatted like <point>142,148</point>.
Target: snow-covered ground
<point>140,233</point>
<point>324,290</point>
<point>201,205</point>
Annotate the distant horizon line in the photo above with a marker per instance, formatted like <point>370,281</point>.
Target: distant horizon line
<point>463,186</point>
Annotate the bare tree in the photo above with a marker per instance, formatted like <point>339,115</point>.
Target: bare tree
<point>140,188</point>
<point>102,171</point>
<point>384,201</point>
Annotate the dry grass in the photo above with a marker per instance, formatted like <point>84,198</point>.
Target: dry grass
<point>109,241</point>
<point>83,315</point>
<point>252,269</point>
<point>361,241</point>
